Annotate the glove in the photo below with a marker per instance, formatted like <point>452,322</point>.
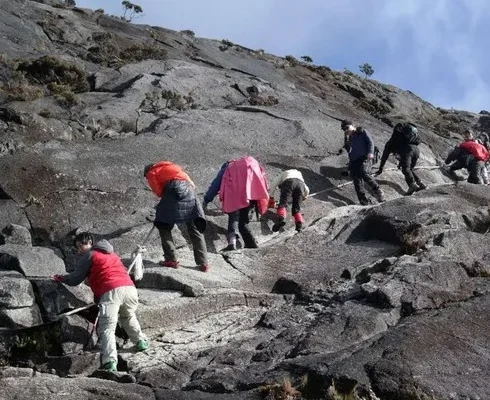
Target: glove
<point>58,278</point>
<point>272,203</point>
<point>378,172</point>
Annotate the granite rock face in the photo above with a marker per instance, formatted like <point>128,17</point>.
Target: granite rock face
<point>388,300</point>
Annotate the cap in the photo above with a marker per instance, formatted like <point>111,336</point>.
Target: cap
<point>345,123</point>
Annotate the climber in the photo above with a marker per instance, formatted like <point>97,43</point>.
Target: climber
<point>404,143</point>
<point>114,292</point>
<point>361,154</point>
<point>293,190</point>
<point>242,186</point>
<point>470,155</point>
<point>178,205</point>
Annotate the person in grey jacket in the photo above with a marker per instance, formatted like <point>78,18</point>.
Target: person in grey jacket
<point>360,146</point>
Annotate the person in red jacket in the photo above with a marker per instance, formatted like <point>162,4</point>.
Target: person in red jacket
<point>114,292</point>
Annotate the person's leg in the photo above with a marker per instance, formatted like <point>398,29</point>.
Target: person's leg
<point>127,316</point>
<point>231,235</point>
<point>168,245</point>
<point>249,240</point>
<point>474,172</point>
<point>297,195</point>
<point>356,173</point>
<point>284,199</point>
<point>108,312</point>
<point>415,159</point>
<point>406,167</point>
<point>366,177</point>
<point>198,246</point>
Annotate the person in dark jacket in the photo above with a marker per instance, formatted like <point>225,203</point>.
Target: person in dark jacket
<point>178,205</point>
<point>113,290</point>
<point>408,154</point>
<point>360,146</point>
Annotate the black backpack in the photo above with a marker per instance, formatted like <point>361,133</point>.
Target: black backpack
<point>406,133</point>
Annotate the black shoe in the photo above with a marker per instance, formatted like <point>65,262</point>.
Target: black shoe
<point>278,225</point>
<point>230,247</point>
<point>299,226</point>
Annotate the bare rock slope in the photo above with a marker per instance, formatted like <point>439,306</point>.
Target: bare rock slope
<point>388,301</point>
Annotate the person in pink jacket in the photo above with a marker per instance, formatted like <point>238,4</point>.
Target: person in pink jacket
<point>242,186</point>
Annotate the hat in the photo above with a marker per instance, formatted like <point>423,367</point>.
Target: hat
<point>147,169</point>
<point>345,123</point>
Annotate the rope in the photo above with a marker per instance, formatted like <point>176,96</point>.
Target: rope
<point>426,167</point>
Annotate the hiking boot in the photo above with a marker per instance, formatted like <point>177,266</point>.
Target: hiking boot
<point>205,268</point>
<point>299,226</point>
<point>169,263</point>
<point>110,366</point>
<point>278,225</point>
<point>411,189</point>
<point>142,345</point>
<point>230,247</point>
<point>380,196</point>
<point>364,202</point>
<point>421,186</point>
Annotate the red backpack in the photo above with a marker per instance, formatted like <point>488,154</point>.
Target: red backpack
<point>476,149</point>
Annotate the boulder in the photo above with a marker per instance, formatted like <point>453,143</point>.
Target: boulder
<point>415,286</point>
<point>31,261</point>
<point>15,290</point>
<point>16,234</point>
<point>12,318</point>
<point>56,298</point>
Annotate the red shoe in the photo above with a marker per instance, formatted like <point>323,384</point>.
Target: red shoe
<point>205,267</point>
<point>169,263</point>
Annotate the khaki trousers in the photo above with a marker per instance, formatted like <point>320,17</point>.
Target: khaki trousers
<point>117,304</point>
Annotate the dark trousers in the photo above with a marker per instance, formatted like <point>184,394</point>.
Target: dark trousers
<point>408,161</point>
<point>292,192</point>
<point>475,171</point>
<point>238,221</point>
<point>360,170</point>
<point>196,237</point>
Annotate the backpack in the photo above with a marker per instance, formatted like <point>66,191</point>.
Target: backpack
<point>406,133</point>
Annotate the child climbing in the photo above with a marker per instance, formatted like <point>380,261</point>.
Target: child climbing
<point>293,190</point>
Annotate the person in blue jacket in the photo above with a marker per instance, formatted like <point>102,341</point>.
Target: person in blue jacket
<point>237,221</point>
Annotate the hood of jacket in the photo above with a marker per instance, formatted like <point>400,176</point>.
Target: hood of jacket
<point>104,246</point>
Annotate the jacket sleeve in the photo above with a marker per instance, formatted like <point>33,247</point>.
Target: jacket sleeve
<point>386,153</point>
<point>82,271</point>
<point>213,189</point>
<point>346,142</point>
<point>369,143</point>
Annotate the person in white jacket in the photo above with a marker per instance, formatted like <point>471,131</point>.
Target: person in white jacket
<point>293,190</point>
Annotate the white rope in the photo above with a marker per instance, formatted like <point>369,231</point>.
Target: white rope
<point>427,167</point>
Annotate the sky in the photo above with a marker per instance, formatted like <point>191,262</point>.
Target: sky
<point>438,49</point>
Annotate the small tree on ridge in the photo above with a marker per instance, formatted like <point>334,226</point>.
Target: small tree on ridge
<point>366,69</point>
<point>133,9</point>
